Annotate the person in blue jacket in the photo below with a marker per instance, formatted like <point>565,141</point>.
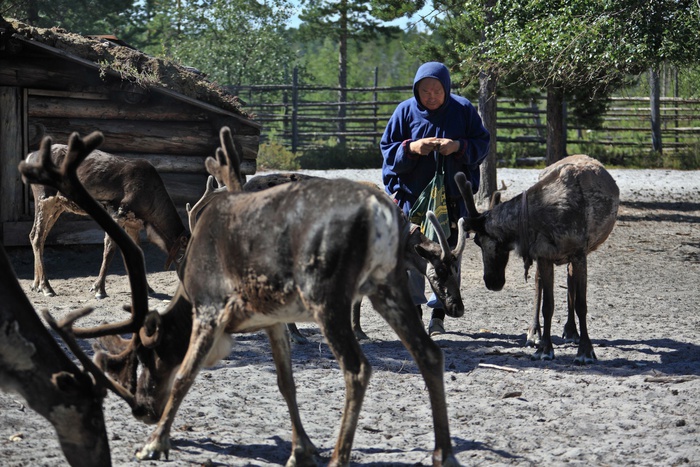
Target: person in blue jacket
<point>432,121</point>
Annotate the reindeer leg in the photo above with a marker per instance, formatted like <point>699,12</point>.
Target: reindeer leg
<point>357,329</point>
<point>134,227</point>
<point>304,453</point>
<point>570,333</point>
<point>579,273</point>
<point>204,334</point>
<point>356,369</point>
<point>107,254</point>
<point>131,228</point>
<point>545,269</point>
<point>534,333</point>
<point>295,335</point>
<point>398,311</point>
<point>47,212</point>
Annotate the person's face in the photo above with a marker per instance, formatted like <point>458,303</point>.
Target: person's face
<point>431,93</point>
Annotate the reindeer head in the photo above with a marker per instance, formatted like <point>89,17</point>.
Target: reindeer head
<point>494,251</point>
<point>442,265</point>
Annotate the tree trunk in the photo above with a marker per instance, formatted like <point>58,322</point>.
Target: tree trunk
<point>556,125</point>
<point>488,113</point>
<point>342,71</point>
<point>654,102</point>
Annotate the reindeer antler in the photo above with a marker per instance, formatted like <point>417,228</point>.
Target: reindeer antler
<point>65,180</point>
<point>64,328</point>
<point>209,194</point>
<point>226,167</point>
<point>465,189</point>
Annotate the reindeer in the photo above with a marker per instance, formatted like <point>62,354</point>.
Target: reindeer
<point>256,261</point>
<point>415,261</point>
<point>130,189</point>
<point>31,361</point>
<point>567,214</point>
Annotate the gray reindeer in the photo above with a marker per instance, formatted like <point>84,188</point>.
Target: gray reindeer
<point>567,214</point>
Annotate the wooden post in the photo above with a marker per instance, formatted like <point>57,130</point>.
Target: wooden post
<point>556,126</point>
<point>488,112</point>
<point>376,99</point>
<point>654,102</point>
<point>12,151</point>
<point>295,110</point>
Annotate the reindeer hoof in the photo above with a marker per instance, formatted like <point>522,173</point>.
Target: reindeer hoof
<point>295,335</point>
<point>46,290</point>
<point>570,336</point>
<point>532,341</point>
<point>447,461</point>
<point>155,446</point>
<point>585,358</point>
<point>100,292</point>
<point>360,335</point>
<point>149,454</point>
<point>542,355</point>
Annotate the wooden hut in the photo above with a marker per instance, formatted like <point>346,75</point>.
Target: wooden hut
<point>53,83</point>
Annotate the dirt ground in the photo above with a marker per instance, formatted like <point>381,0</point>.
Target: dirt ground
<point>639,404</point>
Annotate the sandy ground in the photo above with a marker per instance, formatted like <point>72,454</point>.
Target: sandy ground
<point>639,404</point>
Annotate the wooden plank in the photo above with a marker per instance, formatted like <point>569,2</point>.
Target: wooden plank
<point>72,107</point>
<point>80,232</point>
<point>148,137</point>
<point>97,96</point>
<point>49,74</point>
<point>11,152</point>
<point>186,164</point>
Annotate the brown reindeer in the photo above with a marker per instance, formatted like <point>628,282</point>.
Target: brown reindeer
<point>416,262</point>
<point>31,361</point>
<point>567,214</point>
<point>256,261</point>
<point>130,189</point>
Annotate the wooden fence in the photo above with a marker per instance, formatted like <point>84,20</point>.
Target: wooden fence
<point>302,117</point>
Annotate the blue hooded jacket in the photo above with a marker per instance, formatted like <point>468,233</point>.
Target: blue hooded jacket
<point>407,174</point>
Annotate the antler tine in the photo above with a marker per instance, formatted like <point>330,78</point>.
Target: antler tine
<point>78,149</point>
<point>442,238</point>
<point>66,181</point>
<point>209,193</point>
<point>462,240</point>
<point>465,189</point>
<point>64,328</point>
<point>232,151</point>
<point>495,199</point>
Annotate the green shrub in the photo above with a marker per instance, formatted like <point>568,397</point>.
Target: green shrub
<point>339,157</point>
<point>274,156</point>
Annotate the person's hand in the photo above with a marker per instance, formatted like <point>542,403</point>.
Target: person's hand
<point>424,146</point>
<point>447,146</point>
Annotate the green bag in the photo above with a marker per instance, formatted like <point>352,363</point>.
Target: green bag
<point>432,198</point>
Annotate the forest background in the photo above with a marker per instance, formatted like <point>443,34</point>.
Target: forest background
<point>578,52</point>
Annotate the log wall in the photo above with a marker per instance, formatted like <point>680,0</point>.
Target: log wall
<point>47,96</point>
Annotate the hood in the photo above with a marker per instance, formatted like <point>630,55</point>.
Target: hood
<point>433,70</point>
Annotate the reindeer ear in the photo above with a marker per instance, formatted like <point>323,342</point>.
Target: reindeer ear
<point>150,331</point>
<point>424,252</point>
<point>475,224</point>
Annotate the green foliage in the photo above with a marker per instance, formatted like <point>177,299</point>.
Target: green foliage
<point>234,42</point>
<point>328,157</point>
<point>78,16</point>
<point>274,156</point>
<point>343,20</point>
